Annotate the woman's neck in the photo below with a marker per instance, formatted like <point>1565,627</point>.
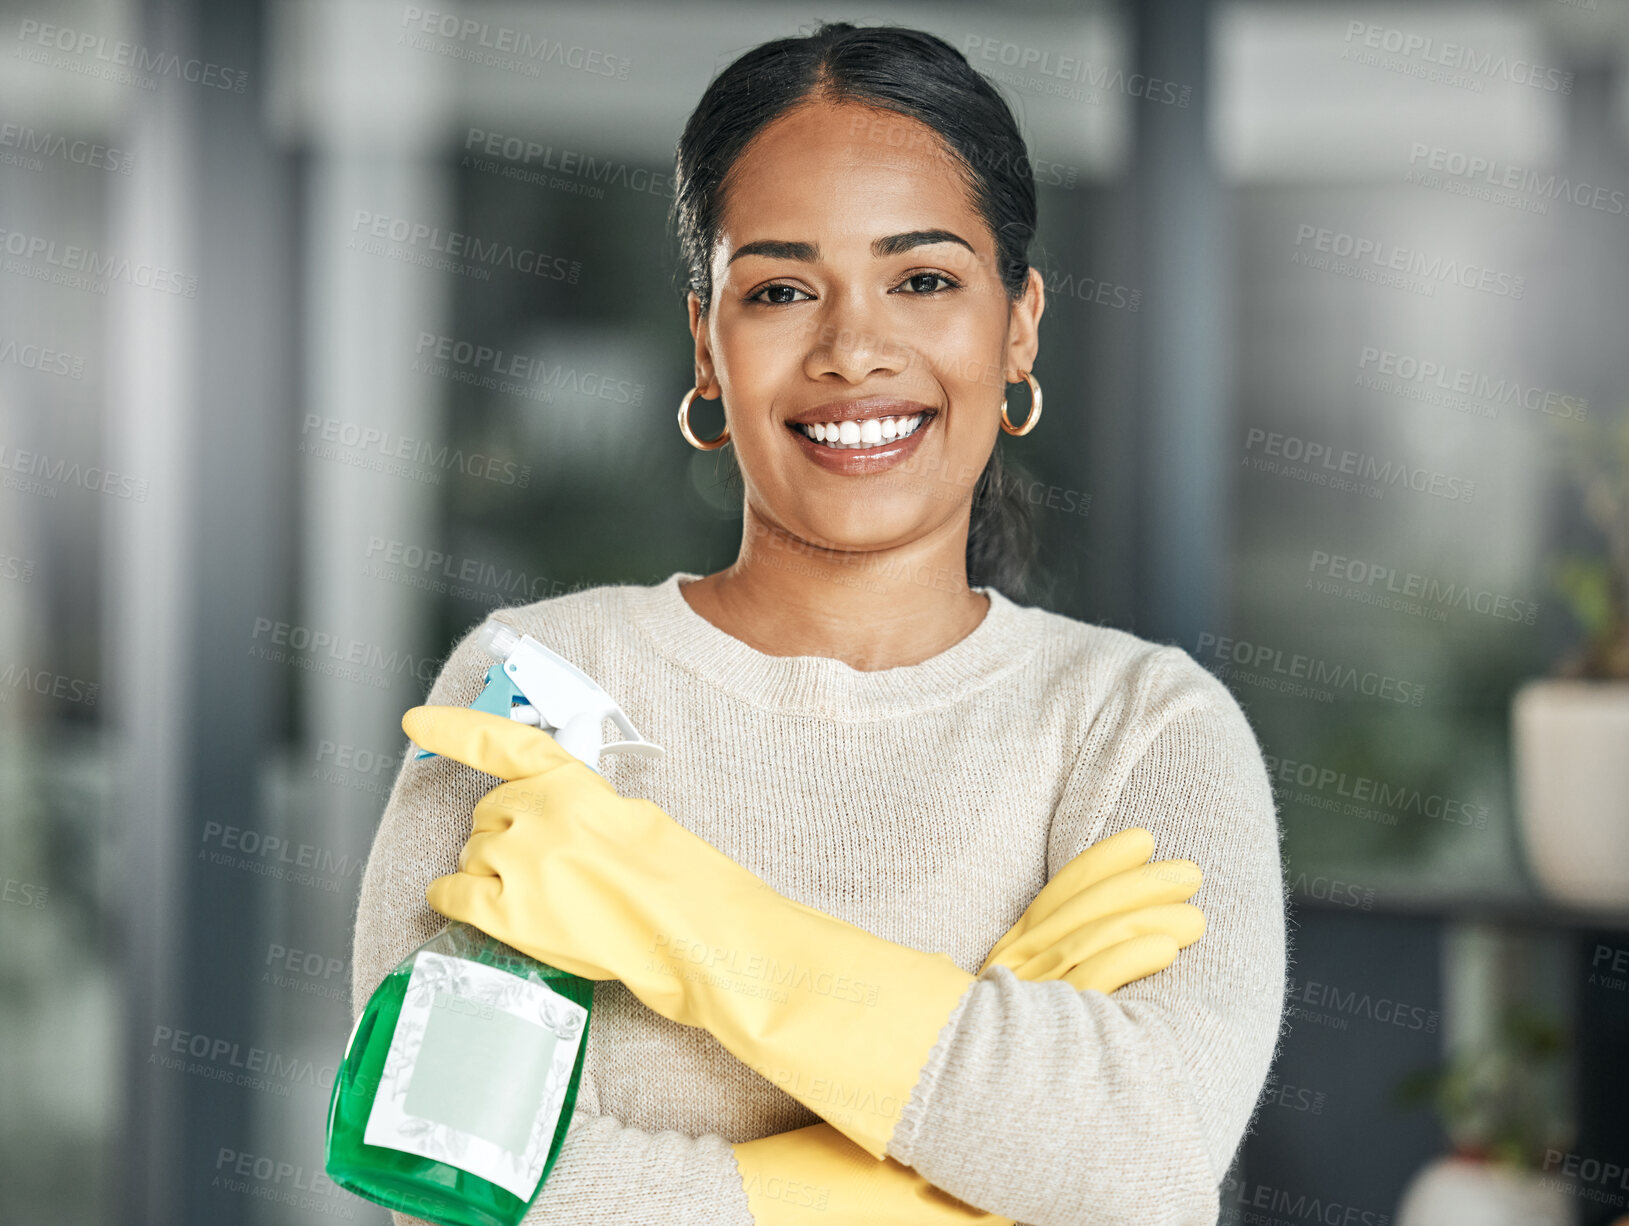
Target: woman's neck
<point>875,609</point>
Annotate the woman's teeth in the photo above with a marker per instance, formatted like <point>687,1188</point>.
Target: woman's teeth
<point>844,435</point>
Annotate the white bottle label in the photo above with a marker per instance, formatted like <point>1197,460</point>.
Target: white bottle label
<point>477,1071</point>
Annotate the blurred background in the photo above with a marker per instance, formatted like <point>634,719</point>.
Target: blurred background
<point>1336,372</point>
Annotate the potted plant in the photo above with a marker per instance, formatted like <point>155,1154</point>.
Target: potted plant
<point>1570,730</point>
<point>1497,1101</point>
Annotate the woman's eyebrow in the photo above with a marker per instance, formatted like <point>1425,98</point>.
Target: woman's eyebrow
<point>808,253</point>
<point>894,244</point>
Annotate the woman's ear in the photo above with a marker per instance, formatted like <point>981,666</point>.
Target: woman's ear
<point>1024,326</point>
<point>704,352</point>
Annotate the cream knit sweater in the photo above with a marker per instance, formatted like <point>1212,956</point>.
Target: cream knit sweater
<point>928,804</point>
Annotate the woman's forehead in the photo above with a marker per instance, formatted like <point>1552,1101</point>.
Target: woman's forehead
<point>861,137</point>
<point>820,179</point>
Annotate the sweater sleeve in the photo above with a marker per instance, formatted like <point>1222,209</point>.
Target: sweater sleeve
<point>607,1174</point>
<point>1053,1106</point>
<point>612,1175</point>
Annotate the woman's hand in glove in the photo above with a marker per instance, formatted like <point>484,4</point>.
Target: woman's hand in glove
<point>1107,918</point>
<point>557,864</point>
<point>562,868</point>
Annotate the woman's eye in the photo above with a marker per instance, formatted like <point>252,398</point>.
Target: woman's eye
<point>923,282</point>
<point>774,289</point>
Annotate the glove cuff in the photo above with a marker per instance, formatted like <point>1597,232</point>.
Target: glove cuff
<point>840,1019</point>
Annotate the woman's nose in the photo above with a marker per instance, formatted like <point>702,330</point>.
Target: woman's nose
<point>850,339</point>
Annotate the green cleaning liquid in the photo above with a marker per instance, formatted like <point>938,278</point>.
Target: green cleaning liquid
<point>460,1077</point>
<point>495,1039</point>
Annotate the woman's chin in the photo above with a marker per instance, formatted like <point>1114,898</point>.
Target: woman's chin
<point>841,537</point>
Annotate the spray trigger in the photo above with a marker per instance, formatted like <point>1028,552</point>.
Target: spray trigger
<point>539,687</point>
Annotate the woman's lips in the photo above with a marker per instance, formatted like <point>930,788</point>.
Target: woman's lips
<point>849,461</point>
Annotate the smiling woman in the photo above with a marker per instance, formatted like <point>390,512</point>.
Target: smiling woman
<point>877,940</point>
<point>854,212</point>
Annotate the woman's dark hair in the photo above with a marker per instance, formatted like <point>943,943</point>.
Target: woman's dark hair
<point>914,74</point>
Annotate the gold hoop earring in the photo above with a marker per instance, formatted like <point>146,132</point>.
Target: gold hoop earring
<point>1034,408</point>
<point>684,426</point>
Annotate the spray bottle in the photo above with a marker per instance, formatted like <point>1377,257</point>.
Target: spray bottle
<point>460,1077</point>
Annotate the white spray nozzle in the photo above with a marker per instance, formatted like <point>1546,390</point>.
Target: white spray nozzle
<point>498,639</point>
<point>569,704</point>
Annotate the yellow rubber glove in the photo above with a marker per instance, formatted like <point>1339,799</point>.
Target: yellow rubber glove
<point>562,868</point>
<point>1111,921</point>
<point>605,887</point>
<point>1107,918</point>
<point>816,1176</point>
